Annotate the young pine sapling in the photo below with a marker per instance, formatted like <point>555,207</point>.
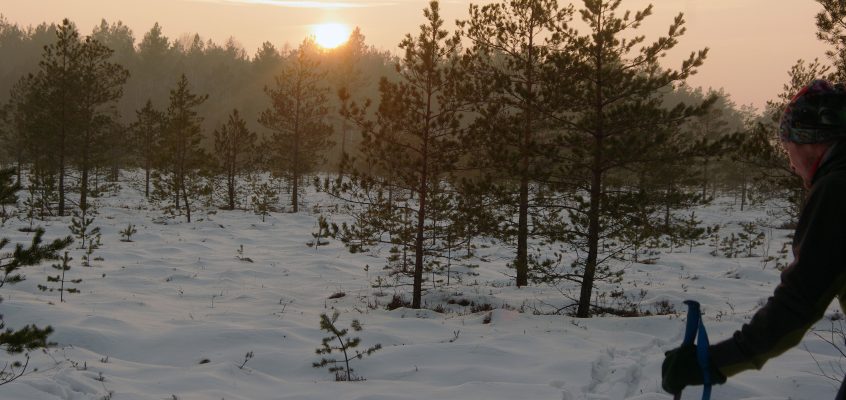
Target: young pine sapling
<point>89,237</point>
<point>346,345</point>
<point>30,337</point>
<point>126,234</point>
<point>324,230</point>
<point>263,199</point>
<point>60,278</point>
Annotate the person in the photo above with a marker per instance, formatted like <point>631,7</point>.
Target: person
<point>812,130</point>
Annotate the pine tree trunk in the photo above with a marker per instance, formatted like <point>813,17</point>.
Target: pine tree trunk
<point>593,239</point>
<point>83,182</point>
<point>20,168</point>
<point>522,263</point>
<point>147,180</point>
<point>62,145</point>
<point>343,147</point>
<point>62,182</point>
<point>231,187</point>
<point>83,188</point>
<point>423,196</point>
<point>185,198</point>
<point>418,242</point>
<point>148,164</point>
<point>595,196</point>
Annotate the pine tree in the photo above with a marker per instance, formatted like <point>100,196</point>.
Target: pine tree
<point>182,158</point>
<point>8,190</point>
<point>76,87</point>
<point>298,117</point>
<point>759,151</point>
<point>88,236</point>
<point>324,231</point>
<point>512,42</point>
<point>346,345</point>
<point>101,85</point>
<point>348,79</point>
<point>234,147</point>
<point>692,232</point>
<point>147,132</point>
<point>264,199</point>
<point>612,119</point>
<point>60,279</point>
<point>29,337</point>
<point>57,83</point>
<point>156,59</point>
<point>13,122</point>
<point>409,150</point>
<point>831,29</point>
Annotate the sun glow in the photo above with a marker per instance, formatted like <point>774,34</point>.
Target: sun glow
<point>330,35</point>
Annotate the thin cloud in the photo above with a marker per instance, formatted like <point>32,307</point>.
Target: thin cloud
<point>306,4</point>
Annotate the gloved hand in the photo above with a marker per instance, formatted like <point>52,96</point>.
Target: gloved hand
<point>681,368</point>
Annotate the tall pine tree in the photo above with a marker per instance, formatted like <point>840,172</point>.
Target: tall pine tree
<point>409,149</point>
<point>234,149</point>
<point>512,42</point>
<point>613,120</point>
<point>182,158</point>
<point>298,117</point>
<point>147,132</point>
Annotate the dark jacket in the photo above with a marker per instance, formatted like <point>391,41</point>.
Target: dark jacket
<point>816,275</point>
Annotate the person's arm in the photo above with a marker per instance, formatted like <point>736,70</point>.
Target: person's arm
<point>808,285</point>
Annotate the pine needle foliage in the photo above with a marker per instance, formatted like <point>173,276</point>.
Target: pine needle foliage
<point>182,160</point>
<point>409,149</point>
<point>147,131</point>
<point>512,44</point>
<point>8,191</point>
<point>759,150</point>
<point>60,279</point>
<point>298,117</point>
<point>8,187</point>
<point>345,345</point>
<point>81,227</point>
<point>264,199</point>
<point>608,102</point>
<point>29,337</point>
<point>126,233</point>
<point>234,150</point>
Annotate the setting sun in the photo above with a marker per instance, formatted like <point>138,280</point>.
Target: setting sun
<point>330,35</point>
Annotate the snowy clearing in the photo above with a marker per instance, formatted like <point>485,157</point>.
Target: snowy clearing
<point>172,314</point>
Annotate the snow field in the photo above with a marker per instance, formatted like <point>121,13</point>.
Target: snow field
<point>173,313</point>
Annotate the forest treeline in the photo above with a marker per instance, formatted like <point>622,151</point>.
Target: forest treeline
<point>515,126</point>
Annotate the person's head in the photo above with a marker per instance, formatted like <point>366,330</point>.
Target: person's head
<point>813,119</point>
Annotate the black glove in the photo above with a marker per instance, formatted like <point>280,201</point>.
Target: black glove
<point>681,368</point>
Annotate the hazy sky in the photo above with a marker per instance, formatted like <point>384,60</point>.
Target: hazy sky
<point>753,42</point>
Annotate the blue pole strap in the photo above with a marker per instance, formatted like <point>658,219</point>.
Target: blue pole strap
<point>695,328</point>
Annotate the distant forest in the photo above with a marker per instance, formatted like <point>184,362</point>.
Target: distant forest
<point>230,75</point>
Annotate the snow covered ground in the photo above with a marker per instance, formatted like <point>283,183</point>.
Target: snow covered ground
<point>172,314</point>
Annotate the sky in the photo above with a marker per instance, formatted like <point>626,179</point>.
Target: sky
<point>752,43</point>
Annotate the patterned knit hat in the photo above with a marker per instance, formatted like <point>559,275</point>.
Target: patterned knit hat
<point>816,114</point>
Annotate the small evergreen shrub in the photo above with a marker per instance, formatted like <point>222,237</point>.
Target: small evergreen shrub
<point>60,279</point>
<point>126,234</point>
<point>324,231</point>
<point>89,236</point>
<point>346,346</point>
<point>264,199</point>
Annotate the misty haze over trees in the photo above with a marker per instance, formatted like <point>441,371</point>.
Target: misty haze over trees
<point>580,151</point>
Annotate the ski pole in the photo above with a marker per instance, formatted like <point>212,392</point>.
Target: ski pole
<point>695,329</point>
